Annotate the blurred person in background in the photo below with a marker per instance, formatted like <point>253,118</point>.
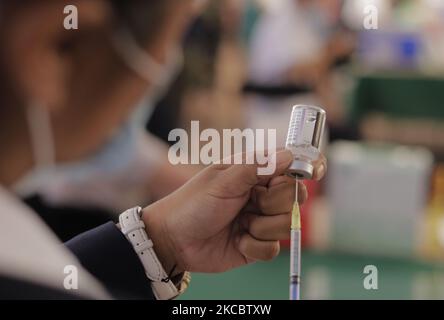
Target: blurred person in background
<point>200,50</point>
<point>63,95</point>
<point>293,47</point>
<point>302,35</point>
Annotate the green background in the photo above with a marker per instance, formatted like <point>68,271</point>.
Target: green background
<point>398,95</point>
<point>324,276</point>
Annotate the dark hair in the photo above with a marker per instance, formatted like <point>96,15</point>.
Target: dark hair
<point>143,17</point>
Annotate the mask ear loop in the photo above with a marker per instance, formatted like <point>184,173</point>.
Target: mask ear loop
<point>136,58</point>
<point>41,136</point>
<point>141,62</point>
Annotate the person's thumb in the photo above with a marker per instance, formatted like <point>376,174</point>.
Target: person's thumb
<point>245,176</point>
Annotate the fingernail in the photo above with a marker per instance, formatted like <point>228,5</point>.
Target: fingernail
<point>320,172</point>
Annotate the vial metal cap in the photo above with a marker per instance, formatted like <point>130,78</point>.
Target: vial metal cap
<point>300,169</point>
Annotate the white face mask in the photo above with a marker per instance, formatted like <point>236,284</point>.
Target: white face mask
<point>43,150</point>
<point>118,151</point>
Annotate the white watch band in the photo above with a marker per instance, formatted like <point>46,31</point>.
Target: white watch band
<point>133,228</point>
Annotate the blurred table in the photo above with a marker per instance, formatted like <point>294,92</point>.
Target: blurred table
<point>398,95</point>
<point>325,276</point>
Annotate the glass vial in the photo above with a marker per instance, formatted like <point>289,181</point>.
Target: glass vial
<point>303,139</point>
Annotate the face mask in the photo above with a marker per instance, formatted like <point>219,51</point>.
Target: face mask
<point>159,76</point>
<point>43,150</point>
<point>118,152</point>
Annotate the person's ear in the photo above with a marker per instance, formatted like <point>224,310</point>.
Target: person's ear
<point>37,42</point>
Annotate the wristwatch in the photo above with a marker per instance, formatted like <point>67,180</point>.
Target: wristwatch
<point>133,228</point>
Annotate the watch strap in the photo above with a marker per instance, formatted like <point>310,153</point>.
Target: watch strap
<point>133,228</point>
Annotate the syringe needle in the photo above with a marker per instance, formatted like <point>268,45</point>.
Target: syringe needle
<point>295,249</point>
<point>296,191</point>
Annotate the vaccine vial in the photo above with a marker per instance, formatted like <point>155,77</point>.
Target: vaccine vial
<point>303,139</point>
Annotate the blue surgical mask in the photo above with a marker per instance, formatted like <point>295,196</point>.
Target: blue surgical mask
<point>115,154</point>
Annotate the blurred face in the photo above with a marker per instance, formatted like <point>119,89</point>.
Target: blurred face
<point>77,74</point>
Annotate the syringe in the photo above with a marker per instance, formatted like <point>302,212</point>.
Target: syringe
<point>303,140</point>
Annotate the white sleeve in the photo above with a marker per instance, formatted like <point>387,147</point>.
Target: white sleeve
<point>29,251</point>
<point>287,31</point>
